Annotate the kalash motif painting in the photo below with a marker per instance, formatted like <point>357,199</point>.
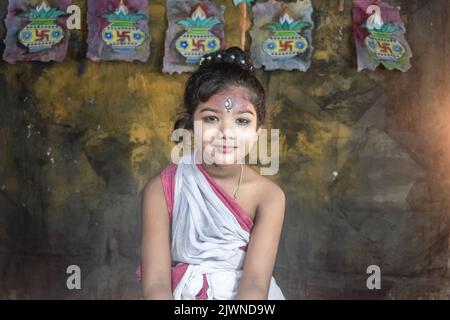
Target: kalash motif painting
<point>195,29</point>
<point>118,30</point>
<point>379,36</point>
<point>36,31</point>
<point>281,35</point>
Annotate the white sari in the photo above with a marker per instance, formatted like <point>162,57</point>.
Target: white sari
<point>207,236</point>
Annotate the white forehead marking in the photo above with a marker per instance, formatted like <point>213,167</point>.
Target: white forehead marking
<point>228,104</point>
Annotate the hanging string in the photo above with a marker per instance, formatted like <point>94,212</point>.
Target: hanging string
<point>243,23</point>
<point>242,4</point>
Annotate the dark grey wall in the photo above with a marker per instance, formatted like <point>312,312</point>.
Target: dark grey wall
<point>79,139</point>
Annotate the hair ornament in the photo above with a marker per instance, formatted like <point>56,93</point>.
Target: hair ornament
<point>234,56</point>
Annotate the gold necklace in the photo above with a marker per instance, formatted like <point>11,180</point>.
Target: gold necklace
<point>239,183</point>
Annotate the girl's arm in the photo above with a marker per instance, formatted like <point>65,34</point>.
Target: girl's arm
<point>262,249</point>
<point>155,255</point>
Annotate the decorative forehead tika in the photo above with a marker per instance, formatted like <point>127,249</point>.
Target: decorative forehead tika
<point>228,104</point>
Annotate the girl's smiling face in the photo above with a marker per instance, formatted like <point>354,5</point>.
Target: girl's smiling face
<point>229,127</point>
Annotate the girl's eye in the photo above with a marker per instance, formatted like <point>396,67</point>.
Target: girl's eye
<point>242,121</point>
<point>210,119</point>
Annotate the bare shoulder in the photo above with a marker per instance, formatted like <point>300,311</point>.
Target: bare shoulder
<point>153,197</point>
<point>268,192</point>
<point>154,187</point>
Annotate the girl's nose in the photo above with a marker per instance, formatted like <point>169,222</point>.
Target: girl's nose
<point>227,129</point>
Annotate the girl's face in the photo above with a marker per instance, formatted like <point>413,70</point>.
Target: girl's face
<point>228,126</point>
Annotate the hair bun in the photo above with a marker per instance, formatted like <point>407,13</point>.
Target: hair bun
<point>232,55</point>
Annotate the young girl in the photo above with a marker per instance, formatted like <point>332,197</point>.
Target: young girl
<point>211,228</point>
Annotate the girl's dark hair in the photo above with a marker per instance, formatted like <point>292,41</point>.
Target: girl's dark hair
<point>217,72</point>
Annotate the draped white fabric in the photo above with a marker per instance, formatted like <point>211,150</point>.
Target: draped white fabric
<point>207,236</point>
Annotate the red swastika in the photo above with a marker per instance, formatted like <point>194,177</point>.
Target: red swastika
<point>384,47</point>
<point>124,35</point>
<point>42,35</point>
<point>198,45</point>
<point>286,45</point>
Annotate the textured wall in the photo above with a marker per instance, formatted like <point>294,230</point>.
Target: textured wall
<point>78,140</point>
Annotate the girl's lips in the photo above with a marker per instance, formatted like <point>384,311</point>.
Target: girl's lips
<point>225,149</point>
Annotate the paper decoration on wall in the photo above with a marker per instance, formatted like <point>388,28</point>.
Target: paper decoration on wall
<point>36,31</point>
<point>242,4</point>
<point>195,29</point>
<point>118,30</point>
<point>379,36</point>
<point>281,35</point>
